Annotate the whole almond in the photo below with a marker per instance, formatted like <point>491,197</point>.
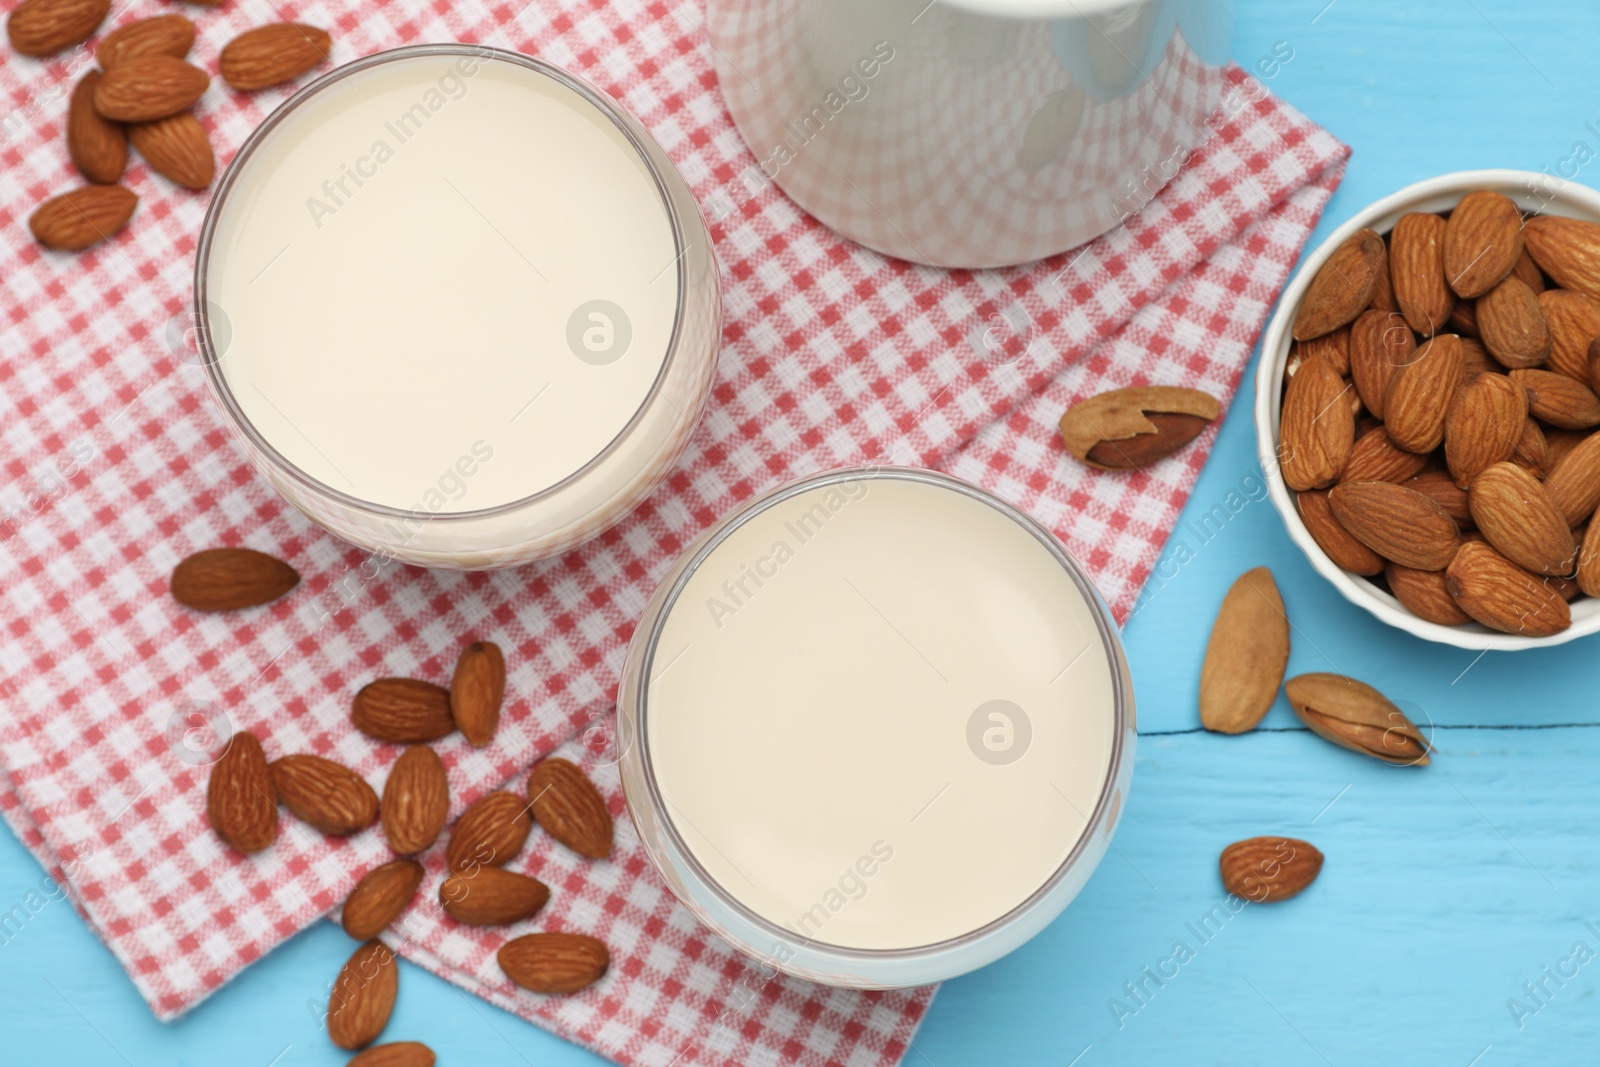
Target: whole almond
<point>151,87</point>
<point>1559,400</point>
<point>477,690</point>
<point>1376,458</point>
<point>98,147</point>
<point>1383,291</point>
<point>1589,561</point>
<point>1423,593</point>
<point>176,148</point>
<point>403,710</point>
<point>489,833</point>
<point>1397,523</point>
<point>1419,395</point>
<point>1502,596</point>
<point>554,962</point>
<point>1533,451</point>
<point>395,1054</point>
<point>1339,544</point>
<point>1380,344</point>
<point>1513,510</point>
<point>1316,428</point>
<point>269,55</point>
<point>41,27</point>
<point>379,898</point>
<point>1574,322</point>
<point>328,795</point>
<point>416,800</point>
<point>241,803</point>
<point>1246,655</point>
<point>226,579</point>
<point>1342,287</point>
<point>570,808</point>
<point>1512,325</point>
<point>1484,425</point>
<point>1333,347</point>
<point>1442,488</point>
<point>1354,715</point>
<point>363,996</point>
<point>1574,481</point>
<point>1482,242</point>
<point>1566,249</point>
<point>1416,267</point>
<point>1265,870</point>
<point>489,896</point>
<point>1122,429</point>
<point>162,35</point>
<point>82,217</point>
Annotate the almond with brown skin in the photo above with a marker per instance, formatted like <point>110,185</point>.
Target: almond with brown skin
<point>176,148</point>
<point>1356,716</point>
<point>489,833</point>
<point>1133,427</point>
<point>98,147</point>
<point>1558,400</point>
<point>1246,655</point>
<point>227,579</point>
<point>1484,425</point>
<point>1265,870</point>
<point>403,710</point>
<point>1482,242</point>
<point>1316,428</point>
<point>1588,577</point>
<point>328,795</point>
<point>1559,442</point>
<point>1574,322</point>
<point>1512,325</point>
<point>1566,249</point>
<point>1375,458</point>
<point>1475,360</point>
<point>1416,267</point>
<point>1419,394</point>
<point>1533,452</point>
<point>363,996</point>
<point>82,217</point>
<point>1464,319</point>
<point>1380,344</point>
<point>241,803</point>
<point>416,801</point>
<point>1513,510</point>
<point>570,808</point>
<point>1333,347</point>
<point>1334,540</point>
<point>554,962</point>
<point>1397,523</point>
<point>161,35</point>
<point>1574,481</point>
<point>379,898</point>
<point>43,27</point>
<point>477,691</point>
<point>1529,272</point>
<point>395,1054</point>
<point>1423,593</point>
<point>1593,379</point>
<point>1342,287</point>
<point>146,88</point>
<point>1383,292</point>
<point>270,55</point>
<point>1502,596</point>
<point>489,896</point>
<point>1443,490</point>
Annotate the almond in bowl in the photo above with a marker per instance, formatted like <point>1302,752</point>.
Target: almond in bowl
<point>1429,415</point>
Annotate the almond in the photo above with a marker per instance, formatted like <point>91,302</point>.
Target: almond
<point>1442,488</point>
<point>1516,514</point>
<point>1380,343</point>
<point>1333,347</point>
<point>554,962</point>
<point>269,55</point>
<point>41,27</point>
<point>1133,427</point>
<point>82,217</point>
<point>363,996</point>
<point>1475,360</point>
<point>176,148</point>
<point>1574,322</point>
<point>1533,451</point>
<point>1416,267</point>
<point>395,1054</point>
<point>416,800</point>
<point>99,148</point>
<point>1484,425</point>
<point>1502,596</point>
<point>1463,318</point>
<point>489,833</point>
<point>1482,242</point>
<point>1589,561</point>
<point>1419,394</point>
<point>1342,287</point>
<point>1316,428</point>
<point>328,795</point>
<point>1246,656</point>
<point>477,690</point>
<point>1559,400</point>
<point>241,803</point>
<point>1558,443</point>
<point>1423,593</point>
<point>1574,481</point>
<point>1375,458</point>
<point>1356,716</point>
<point>146,88</point>
<point>379,898</point>
<point>1594,364</point>
<point>489,896</point>
<point>1512,326</point>
<point>1568,250</point>
<point>1397,523</point>
<point>1265,870</point>
<point>226,579</point>
<point>570,808</point>
<point>1529,271</point>
<point>403,710</point>
<point>1383,292</point>
<point>162,35</point>
<point>1337,542</point>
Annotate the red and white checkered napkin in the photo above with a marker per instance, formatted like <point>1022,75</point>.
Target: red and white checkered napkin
<point>116,466</point>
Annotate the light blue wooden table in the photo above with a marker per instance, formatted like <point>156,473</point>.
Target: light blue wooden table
<point>1445,889</point>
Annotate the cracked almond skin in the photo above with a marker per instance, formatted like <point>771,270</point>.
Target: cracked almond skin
<point>403,710</point>
<point>1416,269</point>
<point>379,898</point>
<point>1397,523</point>
<point>490,833</point>
<point>1419,395</point>
<point>1339,544</point>
<point>1482,242</point>
<point>1265,870</point>
<point>229,579</point>
<point>241,801</point>
<point>1502,596</point>
<point>1354,715</point>
<point>1515,513</point>
<point>1245,656</point>
<point>1316,430</point>
<point>489,896</point>
<point>570,808</point>
<point>554,962</point>
<point>363,996</point>
<point>416,801</point>
<point>328,795</point>
<point>1123,429</point>
<point>1342,287</point>
<point>477,690</point>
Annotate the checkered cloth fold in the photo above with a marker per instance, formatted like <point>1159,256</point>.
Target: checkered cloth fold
<point>116,465</point>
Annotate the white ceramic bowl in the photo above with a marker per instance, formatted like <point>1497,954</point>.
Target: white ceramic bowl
<point>1534,193</point>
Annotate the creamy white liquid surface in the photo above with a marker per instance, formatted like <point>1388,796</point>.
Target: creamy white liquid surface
<point>812,735</point>
<point>397,270</point>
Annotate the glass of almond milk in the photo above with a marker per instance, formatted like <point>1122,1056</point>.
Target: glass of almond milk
<point>876,727</point>
<point>458,306</point>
